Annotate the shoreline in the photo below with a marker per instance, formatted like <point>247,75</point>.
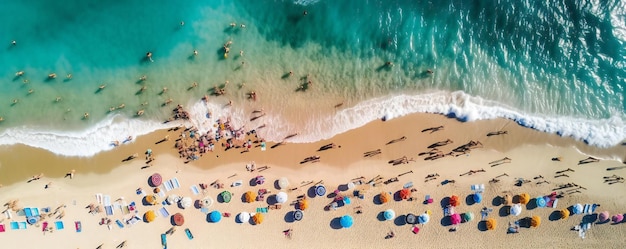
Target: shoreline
<point>105,173</point>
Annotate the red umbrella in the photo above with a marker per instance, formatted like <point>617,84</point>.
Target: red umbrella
<point>405,193</point>
<point>178,219</point>
<point>455,219</point>
<point>156,179</point>
<point>454,200</point>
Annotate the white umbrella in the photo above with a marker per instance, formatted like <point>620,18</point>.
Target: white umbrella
<point>206,202</point>
<point>351,185</point>
<point>244,217</point>
<point>281,197</point>
<point>516,209</point>
<point>173,199</point>
<point>283,183</point>
<point>186,202</point>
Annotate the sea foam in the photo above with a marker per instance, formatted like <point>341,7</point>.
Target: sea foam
<point>466,108</point>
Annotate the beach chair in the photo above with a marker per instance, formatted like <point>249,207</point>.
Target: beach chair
<point>23,224</point>
<point>59,225</point>
<point>2,229</point>
<point>586,209</point>
<point>14,225</point>
<point>119,223</point>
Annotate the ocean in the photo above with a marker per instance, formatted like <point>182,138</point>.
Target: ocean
<point>554,66</point>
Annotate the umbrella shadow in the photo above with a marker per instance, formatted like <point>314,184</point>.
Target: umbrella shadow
<point>342,187</point>
<point>603,222</point>
<point>311,192</point>
<point>496,201</point>
<point>555,215</point>
<point>482,226</point>
<point>396,196</point>
<point>289,217</point>
<point>524,222</point>
<point>237,220</point>
<point>197,204</point>
<point>446,221</point>
<point>381,216</point>
<point>243,198</point>
<point>145,202</point>
<point>172,221</point>
<point>516,199</point>
<point>208,218</point>
<point>589,218</point>
<point>271,200</point>
<point>400,220</point>
<point>276,185</point>
<point>252,182</point>
<point>469,200</point>
<point>335,223</point>
<point>504,211</point>
<point>376,200</point>
<point>220,199</point>
<point>531,204</point>
<point>445,202</point>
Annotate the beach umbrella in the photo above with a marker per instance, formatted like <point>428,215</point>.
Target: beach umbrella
<point>540,201</point>
<point>389,214</point>
<point>250,196</point>
<point>507,200</point>
<point>516,209</point>
<point>257,218</point>
<point>577,209</point>
<point>351,185</point>
<point>186,202</point>
<point>491,223</point>
<point>151,199</point>
<point>215,216</point>
<point>149,216</point>
<point>478,197</point>
<point>467,216</point>
<point>320,190</point>
<point>297,215</point>
<point>617,218</point>
<point>283,183</point>
<point>535,221</point>
<point>281,197</point>
<point>455,219</point>
<point>454,200</point>
<point>346,200</point>
<point>524,198</point>
<point>171,199</point>
<point>178,219</point>
<point>604,216</point>
<point>564,213</point>
<point>244,217</point>
<point>423,218</point>
<point>346,221</point>
<point>259,180</point>
<point>405,193</point>
<point>156,179</point>
<point>410,218</point>
<point>206,202</point>
<point>226,196</point>
<point>303,204</point>
<point>384,197</point>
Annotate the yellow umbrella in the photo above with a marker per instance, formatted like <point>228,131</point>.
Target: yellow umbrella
<point>151,199</point>
<point>491,223</point>
<point>149,216</point>
<point>535,221</point>
<point>303,204</point>
<point>250,196</point>
<point>384,197</point>
<point>524,198</point>
<point>257,218</point>
<point>564,213</point>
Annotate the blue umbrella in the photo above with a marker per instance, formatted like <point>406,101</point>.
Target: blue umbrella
<point>297,215</point>
<point>577,208</point>
<point>346,200</point>
<point>215,216</point>
<point>346,221</point>
<point>541,202</point>
<point>320,190</point>
<point>423,218</point>
<point>389,214</point>
<point>478,197</point>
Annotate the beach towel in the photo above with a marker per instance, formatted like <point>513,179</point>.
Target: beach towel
<point>2,229</point>
<point>59,225</point>
<point>195,190</point>
<point>161,193</point>
<point>164,212</point>
<point>107,200</point>
<point>175,183</point>
<point>168,185</point>
<point>14,225</point>
<point>23,224</point>
<point>119,223</point>
<point>8,214</point>
<point>109,210</point>
<point>99,198</point>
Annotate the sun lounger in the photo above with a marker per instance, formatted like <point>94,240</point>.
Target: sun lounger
<point>586,209</point>
<point>188,232</point>
<point>22,224</point>
<point>15,225</point>
<point>167,185</point>
<point>99,198</point>
<point>164,212</point>
<point>8,214</point>
<point>194,189</point>
<point>106,200</point>
<point>593,208</point>
<point>59,225</point>
<point>28,212</point>
<point>237,183</point>
<point>2,229</point>
<point>119,223</point>
<point>556,201</point>
<point>175,183</point>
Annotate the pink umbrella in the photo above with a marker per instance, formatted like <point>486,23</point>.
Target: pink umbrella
<point>455,219</point>
<point>604,216</point>
<point>618,218</point>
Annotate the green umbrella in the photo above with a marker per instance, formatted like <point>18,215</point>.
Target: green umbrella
<point>226,196</point>
<point>468,216</point>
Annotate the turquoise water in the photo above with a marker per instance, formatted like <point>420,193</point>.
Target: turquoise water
<point>559,67</point>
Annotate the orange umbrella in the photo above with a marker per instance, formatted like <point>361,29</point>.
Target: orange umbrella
<point>149,216</point>
<point>257,218</point>
<point>151,199</point>
<point>491,224</point>
<point>564,213</point>
<point>250,196</point>
<point>405,193</point>
<point>384,197</point>
<point>303,204</point>
<point>454,200</point>
<point>524,198</point>
<point>535,221</point>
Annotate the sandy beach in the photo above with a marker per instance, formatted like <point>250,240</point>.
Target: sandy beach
<point>530,152</point>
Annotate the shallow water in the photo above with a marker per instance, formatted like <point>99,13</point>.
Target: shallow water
<point>557,67</point>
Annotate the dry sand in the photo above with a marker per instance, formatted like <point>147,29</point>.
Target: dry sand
<point>531,153</point>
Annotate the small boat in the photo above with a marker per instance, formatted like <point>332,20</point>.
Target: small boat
<point>188,232</point>
<point>79,226</point>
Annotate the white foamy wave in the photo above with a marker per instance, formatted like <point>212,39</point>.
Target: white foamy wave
<point>600,133</point>
<point>305,2</point>
<point>87,142</point>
